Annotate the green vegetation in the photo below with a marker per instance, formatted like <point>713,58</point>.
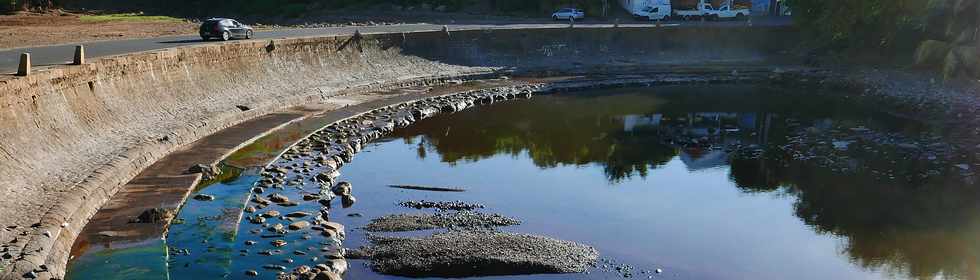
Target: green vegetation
<point>127,17</point>
<point>862,24</point>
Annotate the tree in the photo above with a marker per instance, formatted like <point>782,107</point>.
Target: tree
<point>864,24</point>
<point>35,5</point>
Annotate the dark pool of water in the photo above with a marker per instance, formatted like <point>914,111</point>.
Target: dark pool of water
<point>619,170</point>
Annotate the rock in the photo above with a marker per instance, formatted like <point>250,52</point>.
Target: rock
<point>289,204</point>
<point>271,214</point>
<point>250,209</point>
<point>297,214</point>
<point>274,267</point>
<point>278,228</point>
<point>258,190</point>
<point>249,242</point>
<point>278,243</point>
<point>325,202</point>
<point>251,273</point>
<point>658,271</point>
<point>326,275</point>
<point>309,197</point>
<point>343,189</point>
<point>204,197</point>
<point>348,201</point>
<point>278,198</point>
<point>339,228</point>
<point>208,172</point>
<point>338,265</point>
<point>455,220</point>
<point>301,269</point>
<point>931,53</point>
<point>154,215</point>
<point>258,220</point>
<point>458,254</point>
<point>299,225</point>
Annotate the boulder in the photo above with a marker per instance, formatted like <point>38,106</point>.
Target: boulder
<point>278,198</point>
<point>209,172</point>
<point>931,53</point>
<point>271,214</point>
<point>299,225</point>
<point>343,189</point>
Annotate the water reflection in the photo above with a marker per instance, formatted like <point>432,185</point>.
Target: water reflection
<point>917,228</point>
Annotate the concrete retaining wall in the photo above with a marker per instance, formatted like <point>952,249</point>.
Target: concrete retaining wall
<point>71,136</point>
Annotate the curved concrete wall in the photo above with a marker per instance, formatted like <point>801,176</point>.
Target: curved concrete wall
<point>71,136</point>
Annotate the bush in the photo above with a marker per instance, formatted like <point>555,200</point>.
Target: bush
<point>887,24</point>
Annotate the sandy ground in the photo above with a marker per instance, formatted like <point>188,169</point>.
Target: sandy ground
<point>32,29</point>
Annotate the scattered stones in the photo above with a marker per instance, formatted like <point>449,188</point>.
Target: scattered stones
<point>457,220</point>
<point>251,273</point>
<point>441,205</point>
<point>470,254</point>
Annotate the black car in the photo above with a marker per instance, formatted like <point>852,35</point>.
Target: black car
<point>224,29</point>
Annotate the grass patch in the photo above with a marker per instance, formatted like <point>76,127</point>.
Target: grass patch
<point>135,17</point>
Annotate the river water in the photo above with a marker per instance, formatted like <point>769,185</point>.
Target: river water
<point>702,182</point>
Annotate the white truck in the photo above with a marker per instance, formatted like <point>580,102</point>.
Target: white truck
<point>726,11</point>
<point>698,9</point>
<point>691,9</point>
<point>648,9</point>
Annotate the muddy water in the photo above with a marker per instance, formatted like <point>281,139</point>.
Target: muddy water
<point>703,182</point>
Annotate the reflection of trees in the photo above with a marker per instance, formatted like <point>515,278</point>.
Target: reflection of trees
<point>550,136</point>
<point>921,230</point>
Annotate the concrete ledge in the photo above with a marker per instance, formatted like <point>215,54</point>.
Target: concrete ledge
<point>73,135</point>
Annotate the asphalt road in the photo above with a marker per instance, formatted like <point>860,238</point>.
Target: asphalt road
<point>62,54</point>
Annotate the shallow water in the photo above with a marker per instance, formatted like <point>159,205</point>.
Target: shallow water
<point>618,170</point>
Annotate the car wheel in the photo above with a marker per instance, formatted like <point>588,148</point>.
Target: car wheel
<point>740,17</point>
<point>204,38</point>
<point>225,36</point>
<point>555,17</point>
<point>248,34</point>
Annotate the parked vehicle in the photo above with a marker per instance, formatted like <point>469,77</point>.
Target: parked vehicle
<point>648,9</point>
<point>691,9</point>
<point>687,9</point>
<point>727,12</point>
<point>568,13</point>
<point>224,29</point>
